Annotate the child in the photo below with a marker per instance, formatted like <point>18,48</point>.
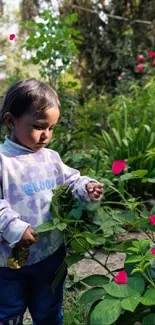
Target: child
<point>28,172</point>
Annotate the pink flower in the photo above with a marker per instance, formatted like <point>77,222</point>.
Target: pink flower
<point>118,166</point>
<point>121,278</point>
<point>119,78</point>
<point>139,67</point>
<point>152,220</point>
<point>140,58</point>
<point>151,54</point>
<point>153,251</point>
<point>30,3</point>
<point>12,36</point>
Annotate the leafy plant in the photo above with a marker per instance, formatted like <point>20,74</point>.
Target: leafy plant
<point>52,44</point>
<point>128,302</point>
<point>109,302</point>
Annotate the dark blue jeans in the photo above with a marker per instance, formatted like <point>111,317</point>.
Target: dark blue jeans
<point>31,286</point>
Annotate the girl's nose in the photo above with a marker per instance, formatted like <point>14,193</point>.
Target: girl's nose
<point>45,134</point>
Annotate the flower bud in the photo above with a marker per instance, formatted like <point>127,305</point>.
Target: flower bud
<point>140,58</point>
<point>139,67</point>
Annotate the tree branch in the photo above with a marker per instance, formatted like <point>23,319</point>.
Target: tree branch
<point>114,16</point>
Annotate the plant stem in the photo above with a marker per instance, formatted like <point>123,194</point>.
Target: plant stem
<point>94,258</point>
<point>107,259</point>
<point>112,202</point>
<point>152,239</point>
<point>149,275</point>
<point>103,265</point>
<point>150,281</point>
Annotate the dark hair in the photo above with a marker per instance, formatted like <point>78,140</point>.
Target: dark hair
<point>27,94</point>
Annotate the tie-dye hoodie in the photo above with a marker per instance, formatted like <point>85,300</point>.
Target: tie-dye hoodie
<point>26,180</point>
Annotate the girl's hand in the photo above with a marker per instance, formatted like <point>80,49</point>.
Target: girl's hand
<point>28,238</point>
<point>95,190</point>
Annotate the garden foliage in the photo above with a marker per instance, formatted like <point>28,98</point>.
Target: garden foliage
<point>114,299</point>
<point>52,44</point>
<point>111,139</point>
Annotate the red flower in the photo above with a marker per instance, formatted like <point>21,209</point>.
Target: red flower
<point>140,58</point>
<point>12,36</point>
<point>152,220</point>
<point>118,166</point>
<point>153,251</point>
<point>121,278</point>
<point>139,67</point>
<point>153,63</point>
<point>151,54</point>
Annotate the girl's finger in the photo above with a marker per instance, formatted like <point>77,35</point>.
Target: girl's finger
<point>32,239</point>
<point>96,194</point>
<point>101,185</point>
<point>98,186</point>
<point>100,190</point>
<point>32,231</point>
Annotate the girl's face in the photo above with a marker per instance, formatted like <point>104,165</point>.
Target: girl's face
<point>34,131</point>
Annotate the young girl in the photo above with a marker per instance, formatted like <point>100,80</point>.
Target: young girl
<point>28,172</point>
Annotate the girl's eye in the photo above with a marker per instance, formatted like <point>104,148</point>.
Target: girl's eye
<point>37,127</point>
<point>41,128</point>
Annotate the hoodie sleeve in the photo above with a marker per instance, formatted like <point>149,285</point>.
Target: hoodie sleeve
<point>11,227</point>
<point>75,181</point>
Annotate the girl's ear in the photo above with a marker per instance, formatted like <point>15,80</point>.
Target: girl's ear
<point>9,120</point>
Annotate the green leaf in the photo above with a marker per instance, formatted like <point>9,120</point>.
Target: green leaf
<point>148,298</point>
<point>72,221</point>
<point>136,283</point>
<point>151,180</point>
<point>55,214</point>
<point>92,295</point>
<point>70,260</point>
<point>75,214</point>
<point>76,246</point>
<point>133,249</point>
<point>58,191</point>
<point>123,246</point>
<point>134,174</point>
<point>131,302</point>
<point>139,173</point>
<point>149,255</point>
<point>126,177</point>
<point>143,244</point>
<point>100,241</point>
<point>152,211</point>
<point>134,259</point>
<point>91,206</point>
<point>149,320</point>
<point>136,270</point>
<point>146,265</point>
<point>95,280</point>
<point>61,226</point>
<point>106,312</point>
<point>91,241</point>
<point>119,291</point>
<point>46,226</point>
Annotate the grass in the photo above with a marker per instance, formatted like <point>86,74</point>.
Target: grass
<point>74,313</point>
